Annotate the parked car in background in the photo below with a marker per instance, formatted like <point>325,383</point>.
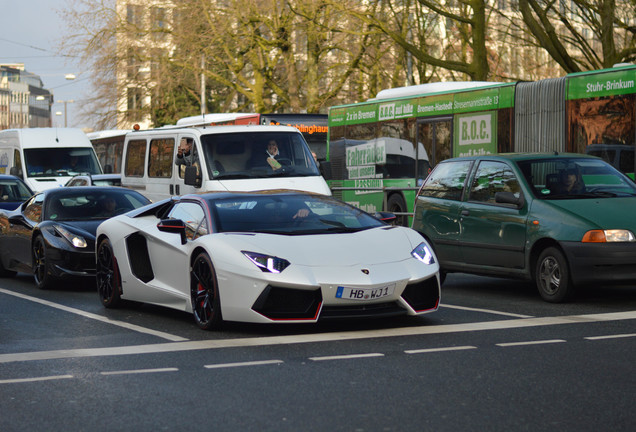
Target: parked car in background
<point>562,220</point>
<point>265,257</point>
<point>95,180</point>
<point>13,192</point>
<point>52,234</point>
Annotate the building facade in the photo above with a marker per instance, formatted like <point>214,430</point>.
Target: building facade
<point>24,102</point>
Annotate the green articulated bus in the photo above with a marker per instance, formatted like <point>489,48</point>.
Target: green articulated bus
<point>380,151</point>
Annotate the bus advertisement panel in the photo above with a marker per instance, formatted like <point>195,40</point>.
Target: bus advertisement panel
<point>601,116</point>
<point>405,137</point>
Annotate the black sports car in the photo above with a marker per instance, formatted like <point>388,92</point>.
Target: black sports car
<point>52,234</point>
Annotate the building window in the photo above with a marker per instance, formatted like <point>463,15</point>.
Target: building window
<point>134,101</point>
<point>159,27</point>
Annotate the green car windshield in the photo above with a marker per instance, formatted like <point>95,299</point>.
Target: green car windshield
<point>575,178</point>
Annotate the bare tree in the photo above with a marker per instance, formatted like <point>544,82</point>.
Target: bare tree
<point>583,34</point>
<point>454,41</point>
<point>91,39</point>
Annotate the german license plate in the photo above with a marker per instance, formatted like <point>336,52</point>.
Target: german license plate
<point>364,293</point>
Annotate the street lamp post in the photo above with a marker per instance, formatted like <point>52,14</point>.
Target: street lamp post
<point>68,77</point>
<point>65,102</point>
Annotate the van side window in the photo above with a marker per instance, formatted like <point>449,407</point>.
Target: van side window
<point>160,158</point>
<point>135,156</point>
<point>447,180</point>
<point>16,170</point>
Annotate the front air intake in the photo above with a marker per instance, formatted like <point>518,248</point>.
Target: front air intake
<point>278,303</point>
<point>423,295</point>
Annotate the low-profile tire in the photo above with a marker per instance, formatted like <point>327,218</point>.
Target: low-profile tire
<point>108,276</point>
<point>552,276</point>
<point>41,272</point>
<point>396,204</point>
<point>204,293</point>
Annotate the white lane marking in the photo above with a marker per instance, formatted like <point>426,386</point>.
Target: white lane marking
<point>489,311</point>
<point>96,317</point>
<point>139,371</point>
<point>317,337</point>
<point>540,342</point>
<point>432,350</point>
<point>240,364</point>
<point>611,336</point>
<point>346,357</point>
<point>36,379</point>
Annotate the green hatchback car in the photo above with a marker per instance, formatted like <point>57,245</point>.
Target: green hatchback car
<point>562,220</point>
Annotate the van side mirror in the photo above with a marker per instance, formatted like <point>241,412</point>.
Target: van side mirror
<point>16,171</point>
<point>192,176</point>
<point>325,170</point>
<point>509,198</point>
<point>108,169</point>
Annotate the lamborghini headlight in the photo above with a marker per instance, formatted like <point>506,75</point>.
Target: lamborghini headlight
<point>423,253</point>
<point>267,263</point>
<point>75,239</point>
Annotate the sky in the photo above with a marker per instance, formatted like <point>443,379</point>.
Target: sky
<point>30,32</point>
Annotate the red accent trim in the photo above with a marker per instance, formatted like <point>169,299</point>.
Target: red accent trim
<point>430,309</point>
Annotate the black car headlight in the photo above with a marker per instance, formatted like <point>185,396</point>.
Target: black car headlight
<point>423,253</point>
<point>267,263</point>
<point>75,239</point>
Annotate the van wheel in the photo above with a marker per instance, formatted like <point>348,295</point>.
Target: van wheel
<point>396,204</point>
<point>552,276</point>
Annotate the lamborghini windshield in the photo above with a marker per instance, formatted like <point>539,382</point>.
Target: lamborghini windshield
<point>291,214</point>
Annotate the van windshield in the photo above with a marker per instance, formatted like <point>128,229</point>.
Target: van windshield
<point>257,155</point>
<point>58,161</point>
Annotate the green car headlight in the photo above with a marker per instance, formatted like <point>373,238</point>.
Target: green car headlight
<point>608,236</point>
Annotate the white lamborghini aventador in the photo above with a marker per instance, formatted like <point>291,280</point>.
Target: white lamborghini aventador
<point>265,257</point>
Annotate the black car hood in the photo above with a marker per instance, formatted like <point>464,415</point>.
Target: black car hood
<point>80,227</point>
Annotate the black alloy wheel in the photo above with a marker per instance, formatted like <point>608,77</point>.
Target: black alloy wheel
<point>204,293</point>
<point>108,276</point>
<point>43,278</point>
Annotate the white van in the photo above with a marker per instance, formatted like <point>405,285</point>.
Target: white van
<point>46,157</point>
<point>222,158</point>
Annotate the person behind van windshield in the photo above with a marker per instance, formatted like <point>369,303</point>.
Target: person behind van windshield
<point>272,154</point>
<point>75,165</point>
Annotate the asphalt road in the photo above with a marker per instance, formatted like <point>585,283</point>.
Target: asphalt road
<point>494,357</point>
